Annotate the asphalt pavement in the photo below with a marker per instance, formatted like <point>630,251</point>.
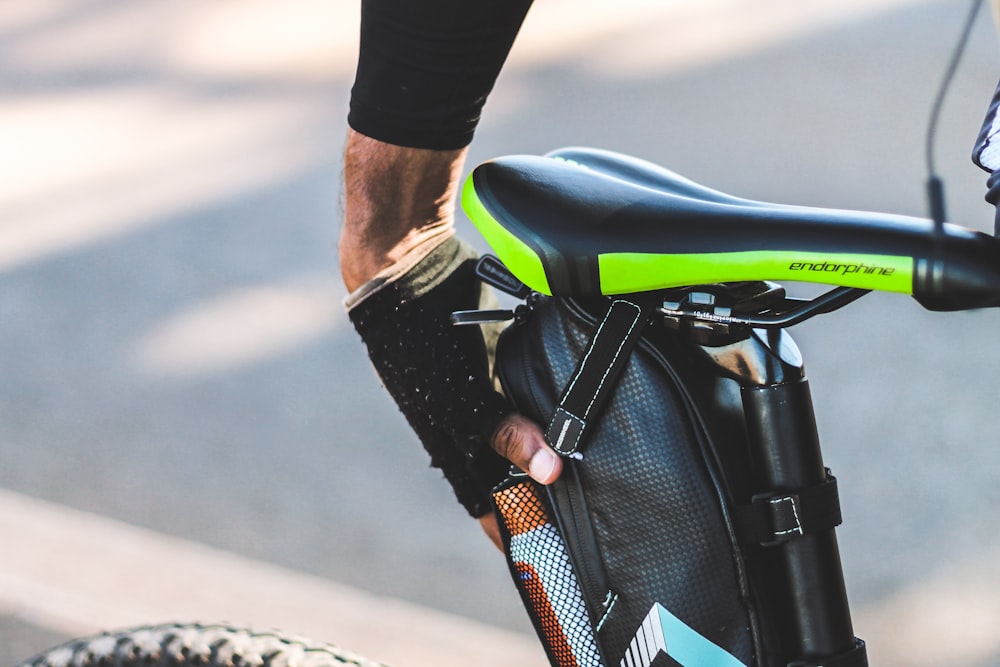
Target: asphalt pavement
<point>173,351</point>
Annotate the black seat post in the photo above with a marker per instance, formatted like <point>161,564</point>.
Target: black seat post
<point>788,525</point>
<point>804,573</point>
<point>796,560</point>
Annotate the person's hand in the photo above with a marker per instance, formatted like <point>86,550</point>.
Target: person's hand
<point>521,441</point>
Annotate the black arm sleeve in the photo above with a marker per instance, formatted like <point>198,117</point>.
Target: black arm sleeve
<point>438,374</point>
<point>425,67</point>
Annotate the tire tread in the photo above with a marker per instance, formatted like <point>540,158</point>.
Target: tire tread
<point>195,645</point>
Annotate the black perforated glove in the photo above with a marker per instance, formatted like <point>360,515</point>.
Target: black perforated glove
<point>438,374</point>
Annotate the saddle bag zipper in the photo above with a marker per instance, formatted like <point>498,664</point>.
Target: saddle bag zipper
<point>570,507</point>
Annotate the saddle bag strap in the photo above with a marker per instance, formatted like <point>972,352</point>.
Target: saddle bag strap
<point>597,373</point>
<point>773,519</point>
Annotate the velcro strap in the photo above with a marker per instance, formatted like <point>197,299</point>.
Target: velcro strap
<point>596,374</point>
<point>770,520</point>
<point>856,657</point>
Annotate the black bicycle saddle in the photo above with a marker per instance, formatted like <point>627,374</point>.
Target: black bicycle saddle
<point>582,222</point>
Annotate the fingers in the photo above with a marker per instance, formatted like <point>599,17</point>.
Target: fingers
<point>492,530</point>
<point>521,441</point>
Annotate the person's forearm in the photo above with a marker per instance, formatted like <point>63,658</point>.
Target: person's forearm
<point>395,199</point>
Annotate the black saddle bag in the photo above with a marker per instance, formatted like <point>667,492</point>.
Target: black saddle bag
<point>631,557</point>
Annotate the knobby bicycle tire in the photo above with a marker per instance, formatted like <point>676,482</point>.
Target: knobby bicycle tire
<point>190,645</point>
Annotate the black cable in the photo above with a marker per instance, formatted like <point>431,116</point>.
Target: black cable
<point>935,186</point>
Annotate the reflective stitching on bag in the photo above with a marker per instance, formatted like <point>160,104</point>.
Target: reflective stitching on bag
<point>777,504</point>
<point>617,352</point>
<point>562,412</point>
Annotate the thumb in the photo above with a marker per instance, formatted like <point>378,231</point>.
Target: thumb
<point>521,441</point>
